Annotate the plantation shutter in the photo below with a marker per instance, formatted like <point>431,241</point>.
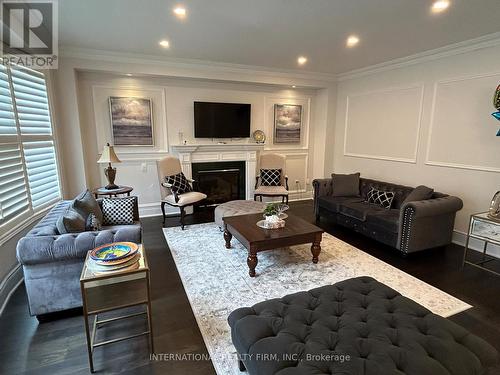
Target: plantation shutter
<point>32,103</point>
<point>41,166</point>
<point>13,195</point>
<point>29,178</point>
<point>7,118</point>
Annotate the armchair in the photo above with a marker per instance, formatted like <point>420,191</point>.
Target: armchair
<point>272,161</point>
<point>170,166</point>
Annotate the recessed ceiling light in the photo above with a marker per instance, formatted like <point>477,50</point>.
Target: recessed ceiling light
<point>180,11</point>
<point>440,6</point>
<point>128,74</point>
<point>164,43</point>
<point>302,60</point>
<point>352,41</point>
<point>294,86</point>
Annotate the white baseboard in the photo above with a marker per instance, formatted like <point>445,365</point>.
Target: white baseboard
<point>9,285</point>
<point>475,244</point>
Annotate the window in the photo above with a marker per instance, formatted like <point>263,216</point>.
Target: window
<point>29,180</point>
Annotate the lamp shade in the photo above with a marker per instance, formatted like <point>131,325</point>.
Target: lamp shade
<point>108,155</point>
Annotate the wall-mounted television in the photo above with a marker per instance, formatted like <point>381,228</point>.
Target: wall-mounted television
<point>221,120</point>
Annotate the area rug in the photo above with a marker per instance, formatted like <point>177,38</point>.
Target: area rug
<point>216,280</point>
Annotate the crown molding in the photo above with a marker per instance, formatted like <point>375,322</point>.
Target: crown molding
<point>194,64</point>
<point>470,45</point>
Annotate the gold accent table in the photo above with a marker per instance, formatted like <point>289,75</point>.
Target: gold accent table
<point>486,229</point>
<point>113,291</point>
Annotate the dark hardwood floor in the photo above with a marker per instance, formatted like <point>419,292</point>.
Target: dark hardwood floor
<point>58,346</point>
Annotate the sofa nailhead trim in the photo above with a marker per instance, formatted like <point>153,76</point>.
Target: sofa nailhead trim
<point>405,237</point>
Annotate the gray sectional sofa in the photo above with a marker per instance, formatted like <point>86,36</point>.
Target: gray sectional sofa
<point>52,262</point>
<point>407,226</point>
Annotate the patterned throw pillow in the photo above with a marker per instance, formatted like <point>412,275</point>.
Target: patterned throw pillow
<point>270,177</point>
<point>92,223</point>
<point>380,197</point>
<point>179,182</point>
<point>118,211</point>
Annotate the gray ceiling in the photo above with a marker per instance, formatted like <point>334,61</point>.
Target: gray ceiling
<point>273,33</point>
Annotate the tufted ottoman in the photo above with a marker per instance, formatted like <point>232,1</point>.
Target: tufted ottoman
<point>236,208</point>
<point>357,326</point>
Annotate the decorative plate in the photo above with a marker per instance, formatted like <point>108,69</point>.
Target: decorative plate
<point>119,261</point>
<point>265,225</point>
<point>113,251</point>
<point>259,136</point>
<point>102,267</point>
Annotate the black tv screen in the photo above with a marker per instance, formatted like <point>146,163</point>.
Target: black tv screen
<point>221,120</point>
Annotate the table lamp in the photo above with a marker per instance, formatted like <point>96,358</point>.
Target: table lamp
<point>108,156</point>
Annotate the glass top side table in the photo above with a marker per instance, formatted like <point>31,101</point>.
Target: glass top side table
<point>486,229</point>
<point>113,291</point>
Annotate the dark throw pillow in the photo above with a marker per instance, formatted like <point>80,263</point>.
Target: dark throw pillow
<point>70,222</point>
<point>420,193</point>
<point>270,177</point>
<point>380,197</point>
<point>85,204</point>
<point>345,185</point>
<point>118,211</point>
<point>92,224</point>
<point>179,183</point>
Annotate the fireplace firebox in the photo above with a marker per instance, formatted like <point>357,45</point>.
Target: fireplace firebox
<point>220,181</point>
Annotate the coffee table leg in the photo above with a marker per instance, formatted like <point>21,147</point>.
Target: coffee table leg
<point>227,236</point>
<point>252,262</point>
<point>316,249</point>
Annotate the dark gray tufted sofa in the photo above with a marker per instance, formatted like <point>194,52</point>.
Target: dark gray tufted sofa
<point>52,262</point>
<point>355,327</point>
<point>408,227</point>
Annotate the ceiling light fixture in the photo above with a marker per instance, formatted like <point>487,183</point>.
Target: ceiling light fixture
<point>440,6</point>
<point>352,41</point>
<point>164,43</point>
<point>180,11</point>
<point>128,74</point>
<point>294,86</point>
<point>302,60</point>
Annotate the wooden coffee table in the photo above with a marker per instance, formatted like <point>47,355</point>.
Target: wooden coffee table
<point>296,231</point>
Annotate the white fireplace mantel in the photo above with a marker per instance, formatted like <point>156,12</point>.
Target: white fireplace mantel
<point>213,152</point>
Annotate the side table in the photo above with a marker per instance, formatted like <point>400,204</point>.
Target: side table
<point>125,190</point>
<point>117,290</point>
<point>486,229</point>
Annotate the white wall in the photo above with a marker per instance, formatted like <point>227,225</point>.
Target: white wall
<point>429,123</point>
<point>173,100</point>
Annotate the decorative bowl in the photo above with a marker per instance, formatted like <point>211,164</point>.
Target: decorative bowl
<point>114,251</point>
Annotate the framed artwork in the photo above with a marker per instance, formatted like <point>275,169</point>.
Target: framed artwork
<point>131,121</point>
<point>287,123</point>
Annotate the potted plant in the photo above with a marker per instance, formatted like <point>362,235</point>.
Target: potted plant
<point>271,214</point>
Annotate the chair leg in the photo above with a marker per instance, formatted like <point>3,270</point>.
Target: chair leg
<point>286,198</point>
<point>163,211</point>
<point>183,213</point>
<point>241,365</point>
<point>254,197</point>
<point>282,199</point>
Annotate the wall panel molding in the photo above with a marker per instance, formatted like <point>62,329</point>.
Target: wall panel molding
<point>432,126</point>
<point>419,102</point>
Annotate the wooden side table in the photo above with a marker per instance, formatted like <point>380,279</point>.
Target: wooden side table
<point>122,190</point>
<point>486,229</point>
<point>107,292</point>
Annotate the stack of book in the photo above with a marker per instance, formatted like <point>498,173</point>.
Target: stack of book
<point>114,257</point>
